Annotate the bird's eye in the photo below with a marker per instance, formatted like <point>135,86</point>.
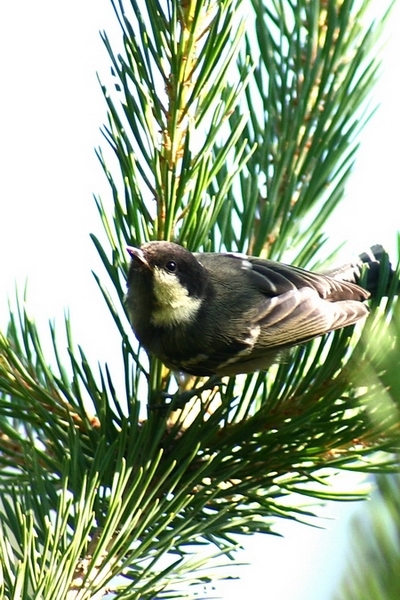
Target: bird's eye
<point>171,266</point>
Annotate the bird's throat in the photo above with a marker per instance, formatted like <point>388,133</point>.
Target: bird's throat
<point>173,304</point>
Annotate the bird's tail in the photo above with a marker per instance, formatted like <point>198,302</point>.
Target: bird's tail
<point>372,271</point>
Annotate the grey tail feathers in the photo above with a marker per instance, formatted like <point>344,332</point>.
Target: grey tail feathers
<point>373,271</point>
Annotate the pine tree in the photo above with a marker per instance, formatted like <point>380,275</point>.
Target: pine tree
<point>231,126</point>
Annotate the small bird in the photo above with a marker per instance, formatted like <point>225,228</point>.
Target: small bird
<point>224,314</point>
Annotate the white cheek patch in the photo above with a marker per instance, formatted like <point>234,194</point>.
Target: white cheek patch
<point>173,303</point>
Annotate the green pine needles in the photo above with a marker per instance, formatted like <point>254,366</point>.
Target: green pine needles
<point>230,125</point>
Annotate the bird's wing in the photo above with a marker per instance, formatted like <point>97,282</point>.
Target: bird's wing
<point>280,322</point>
<point>301,315</point>
<point>300,305</point>
<point>294,306</point>
<point>274,279</point>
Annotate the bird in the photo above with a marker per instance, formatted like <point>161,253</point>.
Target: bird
<point>223,314</point>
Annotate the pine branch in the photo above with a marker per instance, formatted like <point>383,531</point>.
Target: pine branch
<point>99,484</point>
<point>307,102</point>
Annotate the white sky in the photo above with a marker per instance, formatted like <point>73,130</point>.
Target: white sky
<point>51,109</point>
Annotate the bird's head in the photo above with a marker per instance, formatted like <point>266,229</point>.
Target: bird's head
<point>167,281</point>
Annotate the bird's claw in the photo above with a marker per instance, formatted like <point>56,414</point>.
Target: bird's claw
<point>180,398</point>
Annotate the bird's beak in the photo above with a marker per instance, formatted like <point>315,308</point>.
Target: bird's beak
<point>137,254</point>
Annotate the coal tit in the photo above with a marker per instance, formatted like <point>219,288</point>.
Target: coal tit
<point>224,314</point>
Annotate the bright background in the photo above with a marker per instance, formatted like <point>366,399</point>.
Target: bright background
<point>51,109</point>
